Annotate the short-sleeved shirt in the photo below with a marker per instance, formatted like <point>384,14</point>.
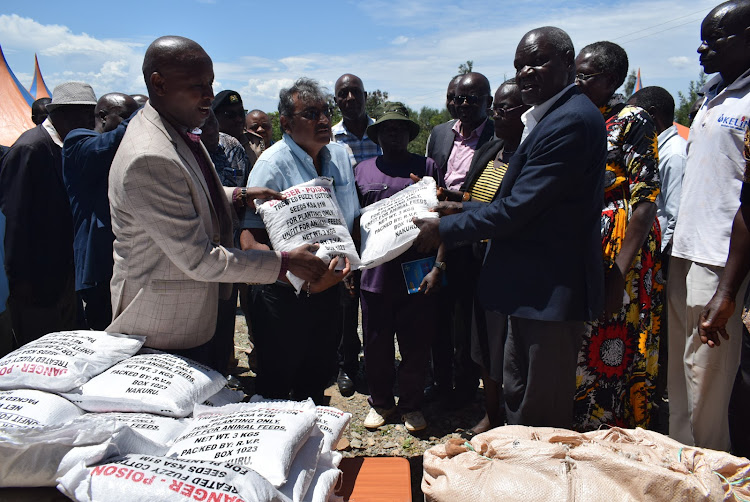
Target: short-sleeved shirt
<point>234,172</point>
<point>377,180</point>
<point>714,173</point>
<point>286,164</point>
<point>362,148</point>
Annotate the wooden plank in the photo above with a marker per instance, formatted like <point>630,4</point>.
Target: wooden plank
<point>375,479</point>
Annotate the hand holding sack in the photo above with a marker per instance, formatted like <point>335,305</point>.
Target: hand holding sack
<point>309,214</point>
<point>386,226</point>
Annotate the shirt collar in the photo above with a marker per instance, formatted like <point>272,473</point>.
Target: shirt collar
<point>340,128</point>
<point>47,125</point>
<point>474,134</point>
<point>538,111</point>
<point>302,155</point>
<point>665,135</point>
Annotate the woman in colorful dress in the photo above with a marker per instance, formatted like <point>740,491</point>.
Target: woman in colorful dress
<point>618,361</point>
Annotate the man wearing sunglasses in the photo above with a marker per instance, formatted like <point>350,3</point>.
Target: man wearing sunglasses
<point>297,335</point>
<point>456,376</point>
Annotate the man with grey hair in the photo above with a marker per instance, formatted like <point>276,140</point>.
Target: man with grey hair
<point>299,359</point>
<point>39,235</point>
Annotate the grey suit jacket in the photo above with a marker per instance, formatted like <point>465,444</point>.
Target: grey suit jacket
<point>169,252</point>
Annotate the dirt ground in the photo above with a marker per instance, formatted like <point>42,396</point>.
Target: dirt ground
<point>392,439</point>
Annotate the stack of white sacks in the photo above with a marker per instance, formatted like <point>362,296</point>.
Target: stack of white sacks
<point>100,418</point>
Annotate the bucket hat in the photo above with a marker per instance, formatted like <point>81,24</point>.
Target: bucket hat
<point>72,93</point>
<point>393,110</point>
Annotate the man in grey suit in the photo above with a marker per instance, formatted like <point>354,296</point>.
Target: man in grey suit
<point>173,220</point>
<point>543,267</point>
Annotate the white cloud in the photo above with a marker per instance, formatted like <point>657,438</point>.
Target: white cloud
<point>680,61</point>
<point>64,55</point>
<point>660,37</point>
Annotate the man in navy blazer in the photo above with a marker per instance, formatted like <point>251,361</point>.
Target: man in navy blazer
<point>544,266</point>
<point>87,156</point>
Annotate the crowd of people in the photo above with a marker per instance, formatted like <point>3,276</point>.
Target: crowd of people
<point>585,266</point>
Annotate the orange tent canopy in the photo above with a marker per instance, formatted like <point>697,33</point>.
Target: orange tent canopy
<point>682,130</point>
<point>38,88</point>
<point>15,105</point>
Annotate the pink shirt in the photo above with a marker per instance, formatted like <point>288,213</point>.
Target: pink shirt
<point>461,155</point>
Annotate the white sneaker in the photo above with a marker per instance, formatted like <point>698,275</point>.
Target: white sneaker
<point>377,417</point>
<point>414,421</point>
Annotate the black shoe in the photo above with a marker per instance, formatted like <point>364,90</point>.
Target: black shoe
<point>346,384</point>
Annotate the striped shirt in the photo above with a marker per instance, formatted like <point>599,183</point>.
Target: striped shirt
<point>488,183</point>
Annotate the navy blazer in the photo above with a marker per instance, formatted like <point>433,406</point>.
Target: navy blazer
<point>87,157</point>
<point>440,142</point>
<point>545,258</point>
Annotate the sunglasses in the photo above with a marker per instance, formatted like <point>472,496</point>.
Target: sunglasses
<point>471,100</point>
<point>497,111</point>
<point>315,113</point>
<point>582,77</point>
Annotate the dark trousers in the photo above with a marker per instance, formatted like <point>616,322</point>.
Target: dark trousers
<point>349,346</point>
<point>539,374</point>
<point>215,352</point>
<point>452,365</point>
<point>739,404</point>
<point>6,333</point>
<point>296,338</point>
<point>413,319</point>
<point>97,306</point>
<point>32,321</point>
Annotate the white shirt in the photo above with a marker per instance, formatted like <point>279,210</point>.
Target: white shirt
<point>672,158</point>
<point>50,128</point>
<point>533,115</point>
<point>713,174</point>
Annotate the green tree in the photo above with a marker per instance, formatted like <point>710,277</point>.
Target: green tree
<point>375,100</point>
<point>465,68</point>
<point>427,118</point>
<point>629,84</point>
<point>682,110</point>
<point>275,125</point>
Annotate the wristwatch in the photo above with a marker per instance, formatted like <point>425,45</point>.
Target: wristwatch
<point>440,265</point>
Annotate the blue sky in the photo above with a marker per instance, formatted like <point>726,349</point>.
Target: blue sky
<point>408,48</point>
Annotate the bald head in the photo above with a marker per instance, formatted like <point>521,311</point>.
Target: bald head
<point>351,97</point>
<point>111,109</point>
<point>725,40</point>
<point>39,110</point>
<point>170,52</point>
<point>472,100</point>
<point>179,76</point>
<point>139,98</point>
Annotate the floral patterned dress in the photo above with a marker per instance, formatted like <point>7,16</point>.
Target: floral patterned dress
<point>618,361</point>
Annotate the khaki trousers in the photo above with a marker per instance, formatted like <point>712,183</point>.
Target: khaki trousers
<point>700,378</point>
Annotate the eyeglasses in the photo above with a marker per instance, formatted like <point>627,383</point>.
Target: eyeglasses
<point>471,100</point>
<point>233,114</point>
<point>582,77</point>
<point>500,112</point>
<point>450,97</point>
<point>314,113</point>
